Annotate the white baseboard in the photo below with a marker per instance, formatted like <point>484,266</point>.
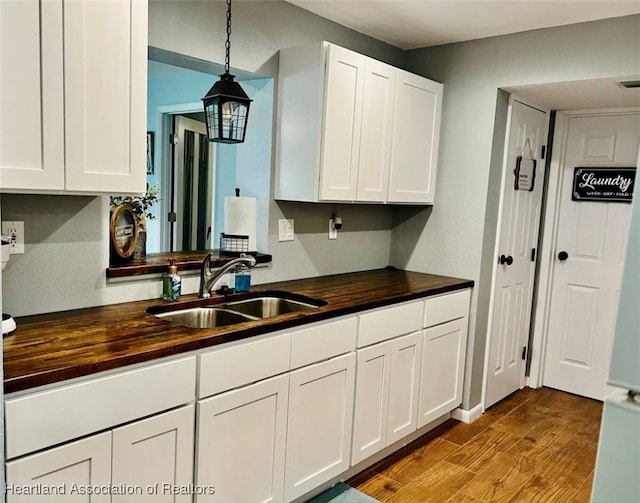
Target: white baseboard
<point>467,416</point>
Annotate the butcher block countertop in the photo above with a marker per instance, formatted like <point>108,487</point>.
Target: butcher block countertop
<point>49,348</point>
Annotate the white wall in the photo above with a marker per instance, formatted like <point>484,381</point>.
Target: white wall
<point>452,239</point>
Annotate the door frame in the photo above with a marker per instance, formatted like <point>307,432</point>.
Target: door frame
<point>164,117</point>
<point>494,271</point>
<point>549,234</point>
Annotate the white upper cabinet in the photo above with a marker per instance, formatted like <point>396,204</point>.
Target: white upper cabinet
<point>343,122</point>
<point>73,96</point>
<point>349,126</point>
<point>31,95</point>
<point>416,133</point>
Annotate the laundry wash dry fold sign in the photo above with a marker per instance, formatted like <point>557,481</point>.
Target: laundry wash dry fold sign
<point>605,184</point>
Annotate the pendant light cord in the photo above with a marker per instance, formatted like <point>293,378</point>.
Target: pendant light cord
<point>227,44</point>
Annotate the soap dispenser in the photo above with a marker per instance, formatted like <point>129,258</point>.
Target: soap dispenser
<point>171,283</point>
<point>243,278</point>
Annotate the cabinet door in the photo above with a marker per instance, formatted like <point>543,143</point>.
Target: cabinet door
<point>68,472</point>
<point>416,135</point>
<point>153,455</point>
<point>443,354</point>
<point>31,95</point>
<point>105,54</point>
<point>319,424</point>
<point>241,443</point>
<point>342,123</point>
<point>373,373</point>
<point>404,386</point>
<point>377,126</point>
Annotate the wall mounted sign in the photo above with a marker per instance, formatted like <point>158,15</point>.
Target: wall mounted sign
<point>123,229</point>
<point>612,185</point>
<point>525,174</point>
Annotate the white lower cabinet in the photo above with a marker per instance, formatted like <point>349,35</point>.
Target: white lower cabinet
<point>443,356</point>
<point>319,424</point>
<point>241,443</point>
<point>150,459</point>
<point>404,386</point>
<point>277,416</point>
<point>386,399</point>
<point>154,456</point>
<point>63,473</point>
<point>373,374</point>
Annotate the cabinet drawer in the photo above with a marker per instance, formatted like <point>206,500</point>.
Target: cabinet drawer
<point>389,322</point>
<point>247,362</point>
<point>53,416</point>
<point>323,341</point>
<point>446,307</point>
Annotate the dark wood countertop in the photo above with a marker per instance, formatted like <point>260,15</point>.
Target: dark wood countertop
<point>49,348</point>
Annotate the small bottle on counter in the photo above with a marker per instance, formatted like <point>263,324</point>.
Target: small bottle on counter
<point>243,278</point>
<point>171,283</point>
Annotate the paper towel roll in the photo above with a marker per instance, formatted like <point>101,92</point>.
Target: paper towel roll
<point>240,218</point>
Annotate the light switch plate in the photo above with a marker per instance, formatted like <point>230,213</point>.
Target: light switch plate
<point>285,230</point>
<point>14,232</point>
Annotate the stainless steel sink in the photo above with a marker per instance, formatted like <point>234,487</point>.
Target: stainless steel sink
<point>205,317</point>
<point>267,307</point>
<point>220,312</point>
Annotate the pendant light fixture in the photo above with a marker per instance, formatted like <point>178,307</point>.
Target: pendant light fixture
<point>226,105</point>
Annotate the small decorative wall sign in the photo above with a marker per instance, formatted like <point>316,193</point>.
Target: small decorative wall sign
<point>606,184</point>
<point>123,230</point>
<point>525,172</point>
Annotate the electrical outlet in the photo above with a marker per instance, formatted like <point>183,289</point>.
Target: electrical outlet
<point>285,230</point>
<point>333,232</point>
<point>14,232</point>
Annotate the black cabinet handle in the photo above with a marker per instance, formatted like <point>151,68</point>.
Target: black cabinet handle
<point>563,255</point>
<point>506,260</point>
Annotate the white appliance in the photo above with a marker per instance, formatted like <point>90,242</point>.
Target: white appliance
<point>617,476</point>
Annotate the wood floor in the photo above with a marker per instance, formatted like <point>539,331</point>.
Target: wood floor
<point>537,445</point>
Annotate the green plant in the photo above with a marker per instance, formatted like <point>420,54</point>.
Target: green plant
<point>141,204</point>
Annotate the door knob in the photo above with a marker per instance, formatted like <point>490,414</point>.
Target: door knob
<point>506,260</point>
<point>563,255</point>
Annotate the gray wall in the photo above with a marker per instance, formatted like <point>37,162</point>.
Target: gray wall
<point>452,240</point>
<point>66,249</point>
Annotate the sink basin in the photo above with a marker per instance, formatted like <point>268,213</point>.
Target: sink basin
<point>205,317</point>
<point>266,307</point>
<point>219,312</point>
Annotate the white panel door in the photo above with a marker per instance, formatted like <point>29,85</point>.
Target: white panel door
<point>373,373</point>
<point>517,238</point>
<point>586,284</point>
<point>377,124</point>
<point>319,424</point>
<point>442,369</point>
<point>342,122</point>
<point>68,473</point>
<point>404,386</point>
<point>105,95</point>
<point>155,453</point>
<point>241,443</point>
<point>416,133</point>
<point>31,95</point>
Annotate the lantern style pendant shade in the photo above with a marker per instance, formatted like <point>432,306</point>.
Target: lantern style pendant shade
<point>226,105</point>
<point>226,109</point>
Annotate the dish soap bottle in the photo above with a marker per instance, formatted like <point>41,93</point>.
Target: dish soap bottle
<point>171,283</point>
<point>243,278</point>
